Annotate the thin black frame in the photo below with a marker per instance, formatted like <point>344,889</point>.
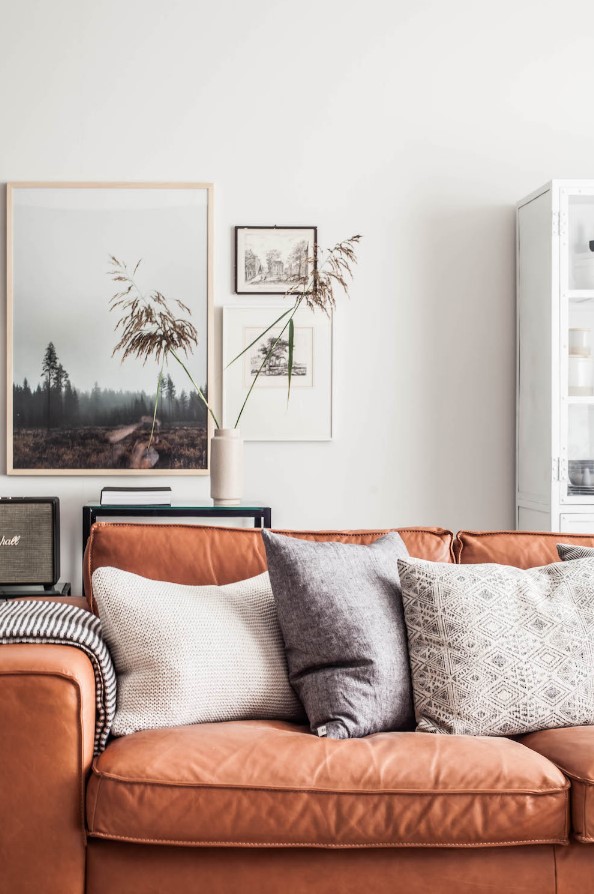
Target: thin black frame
<point>274,227</point>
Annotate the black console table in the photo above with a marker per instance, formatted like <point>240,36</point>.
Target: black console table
<point>63,588</point>
<point>262,515</point>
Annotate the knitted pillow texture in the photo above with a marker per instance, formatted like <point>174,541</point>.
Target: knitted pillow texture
<point>187,654</point>
<point>500,651</point>
<point>340,612</point>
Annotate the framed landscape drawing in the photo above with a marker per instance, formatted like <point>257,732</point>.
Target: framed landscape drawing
<point>270,260</point>
<point>268,415</point>
<point>73,407</point>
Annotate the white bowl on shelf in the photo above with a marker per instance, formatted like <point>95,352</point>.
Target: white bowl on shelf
<point>580,342</point>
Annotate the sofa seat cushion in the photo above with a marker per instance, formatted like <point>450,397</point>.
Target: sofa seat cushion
<point>572,750</point>
<point>273,784</point>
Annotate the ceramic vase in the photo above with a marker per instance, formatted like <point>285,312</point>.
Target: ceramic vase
<point>226,467</point>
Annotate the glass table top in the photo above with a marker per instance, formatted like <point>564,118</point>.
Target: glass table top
<point>182,504</point>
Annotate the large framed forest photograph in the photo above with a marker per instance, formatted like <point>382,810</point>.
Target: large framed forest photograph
<point>83,261</point>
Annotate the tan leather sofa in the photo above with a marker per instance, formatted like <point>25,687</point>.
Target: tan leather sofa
<point>265,807</point>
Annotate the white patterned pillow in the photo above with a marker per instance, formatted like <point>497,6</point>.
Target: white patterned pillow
<point>499,651</point>
<point>193,654</point>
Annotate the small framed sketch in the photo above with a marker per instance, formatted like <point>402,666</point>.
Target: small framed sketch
<point>268,415</point>
<point>271,260</point>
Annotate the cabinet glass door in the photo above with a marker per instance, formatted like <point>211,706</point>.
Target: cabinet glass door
<point>576,231</point>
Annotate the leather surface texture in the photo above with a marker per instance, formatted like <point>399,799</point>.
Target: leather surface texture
<point>142,869</point>
<point>523,549</point>
<point>572,750</point>
<point>574,869</point>
<point>272,784</point>
<point>47,725</point>
<point>196,554</point>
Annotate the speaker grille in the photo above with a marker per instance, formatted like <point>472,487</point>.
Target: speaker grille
<point>26,543</point>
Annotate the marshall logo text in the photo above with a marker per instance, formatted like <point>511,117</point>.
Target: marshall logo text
<point>10,541</point>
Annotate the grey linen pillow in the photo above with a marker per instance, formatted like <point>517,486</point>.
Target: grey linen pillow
<point>189,654</point>
<point>500,651</point>
<point>569,551</point>
<point>340,613</point>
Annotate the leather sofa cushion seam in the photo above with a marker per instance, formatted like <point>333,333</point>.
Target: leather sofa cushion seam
<point>573,776</point>
<point>13,672</point>
<point>437,532</point>
<point>548,534</point>
<point>92,823</point>
<point>588,783</point>
<point>378,844</point>
<point>330,791</point>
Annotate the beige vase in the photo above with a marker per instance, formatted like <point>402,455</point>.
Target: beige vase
<point>226,467</point>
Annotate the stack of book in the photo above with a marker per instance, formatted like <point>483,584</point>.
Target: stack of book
<point>136,496</point>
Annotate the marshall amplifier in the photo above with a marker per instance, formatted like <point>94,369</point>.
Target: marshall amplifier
<point>29,541</point>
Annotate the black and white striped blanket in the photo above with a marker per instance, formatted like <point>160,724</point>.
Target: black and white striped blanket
<point>66,625</point>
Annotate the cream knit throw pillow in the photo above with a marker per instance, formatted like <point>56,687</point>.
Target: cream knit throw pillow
<point>188,654</point>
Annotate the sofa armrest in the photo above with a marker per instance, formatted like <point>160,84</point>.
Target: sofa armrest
<point>47,724</point>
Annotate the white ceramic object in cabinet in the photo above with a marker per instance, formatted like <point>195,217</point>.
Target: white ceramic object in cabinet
<point>555,358</point>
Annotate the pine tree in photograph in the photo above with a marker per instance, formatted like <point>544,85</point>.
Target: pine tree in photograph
<point>49,367</point>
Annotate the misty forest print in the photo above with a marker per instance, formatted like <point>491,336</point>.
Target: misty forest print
<point>76,407</point>
<point>57,426</point>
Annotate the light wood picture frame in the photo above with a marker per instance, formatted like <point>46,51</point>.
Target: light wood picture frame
<point>72,407</point>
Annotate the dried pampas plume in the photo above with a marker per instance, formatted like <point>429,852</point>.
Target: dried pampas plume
<point>148,327</point>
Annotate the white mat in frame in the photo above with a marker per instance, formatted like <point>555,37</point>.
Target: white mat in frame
<point>268,416</point>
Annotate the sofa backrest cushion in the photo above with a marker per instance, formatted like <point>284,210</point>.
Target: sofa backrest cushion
<point>523,549</point>
<point>199,555</point>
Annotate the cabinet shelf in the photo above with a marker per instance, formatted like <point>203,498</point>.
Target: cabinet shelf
<point>581,296</point>
<point>588,400</point>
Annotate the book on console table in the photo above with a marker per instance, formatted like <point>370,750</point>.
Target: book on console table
<point>136,496</point>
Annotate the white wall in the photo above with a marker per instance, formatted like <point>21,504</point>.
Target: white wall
<point>418,124</point>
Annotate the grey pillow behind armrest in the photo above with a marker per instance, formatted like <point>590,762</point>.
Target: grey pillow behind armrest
<point>340,611</point>
<point>569,551</point>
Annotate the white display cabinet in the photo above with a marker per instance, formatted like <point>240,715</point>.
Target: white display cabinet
<point>555,358</point>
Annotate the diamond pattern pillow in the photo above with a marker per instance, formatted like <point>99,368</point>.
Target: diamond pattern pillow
<point>500,651</point>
